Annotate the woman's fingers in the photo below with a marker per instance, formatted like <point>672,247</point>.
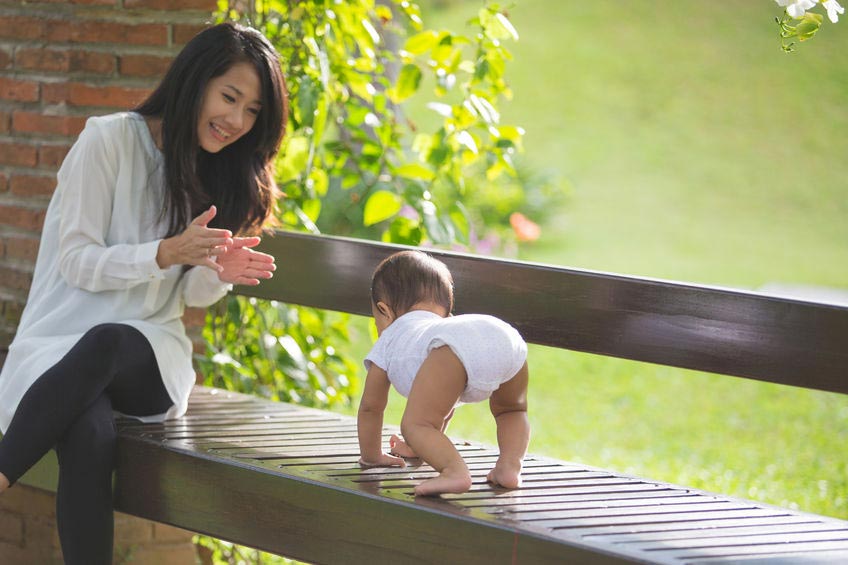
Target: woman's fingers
<point>239,242</point>
<point>205,217</point>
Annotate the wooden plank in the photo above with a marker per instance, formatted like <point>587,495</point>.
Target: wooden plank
<point>564,511</point>
<point>303,519</point>
<point>768,549</point>
<point>697,327</point>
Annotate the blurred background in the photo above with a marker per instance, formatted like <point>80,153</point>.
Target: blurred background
<point>692,148</point>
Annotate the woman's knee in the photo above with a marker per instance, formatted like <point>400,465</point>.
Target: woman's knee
<point>91,437</point>
<point>106,336</point>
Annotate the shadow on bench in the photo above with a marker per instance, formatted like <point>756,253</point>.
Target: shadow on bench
<point>285,479</point>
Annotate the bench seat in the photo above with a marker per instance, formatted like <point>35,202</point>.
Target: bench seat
<point>285,479</point>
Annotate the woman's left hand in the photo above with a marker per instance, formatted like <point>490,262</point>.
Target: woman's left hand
<point>242,265</point>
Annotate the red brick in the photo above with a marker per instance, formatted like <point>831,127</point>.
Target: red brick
<point>28,500</point>
<point>55,92</point>
<point>11,525</point>
<point>194,317</point>
<point>205,5</point>
<point>21,27</point>
<point>92,62</point>
<point>4,182</point>
<point>32,185</point>
<point>183,32</point>
<point>166,533</point>
<point>20,217</point>
<point>12,315</point>
<point>23,248</point>
<point>18,90</point>
<point>15,279</point>
<point>132,530</point>
<point>109,96</point>
<point>5,121</point>
<point>42,534</point>
<point>14,553</point>
<point>38,59</point>
<point>143,65</point>
<point>33,122</point>
<point>5,58</point>
<point>171,554</point>
<point>63,61</point>
<point>51,156</point>
<point>19,154</point>
<point>96,31</point>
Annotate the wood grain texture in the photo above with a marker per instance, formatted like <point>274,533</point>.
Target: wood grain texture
<point>292,498</point>
<point>708,329</point>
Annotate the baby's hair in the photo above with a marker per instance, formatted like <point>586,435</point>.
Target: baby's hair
<point>409,277</point>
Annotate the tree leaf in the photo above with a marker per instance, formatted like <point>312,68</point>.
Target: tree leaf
<point>380,206</point>
<point>407,83</point>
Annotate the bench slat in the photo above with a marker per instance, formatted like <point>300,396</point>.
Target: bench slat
<point>314,503</point>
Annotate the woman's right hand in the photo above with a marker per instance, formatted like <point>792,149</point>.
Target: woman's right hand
<point>197,245</point>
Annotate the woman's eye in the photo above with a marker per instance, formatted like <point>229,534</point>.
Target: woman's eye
<point>229,98</point>
<point>254,111</point>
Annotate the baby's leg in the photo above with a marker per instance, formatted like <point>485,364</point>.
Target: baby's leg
<point>438,384</point>
<point>509,407</point>
<point>399,447</point>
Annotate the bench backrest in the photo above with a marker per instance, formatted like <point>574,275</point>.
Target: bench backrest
<point>715,330</point>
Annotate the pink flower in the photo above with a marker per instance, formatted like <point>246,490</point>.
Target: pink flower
<point>525,229</point>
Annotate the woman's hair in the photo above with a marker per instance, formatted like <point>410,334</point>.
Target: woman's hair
<point>239,179</point>
<point>408,277</point>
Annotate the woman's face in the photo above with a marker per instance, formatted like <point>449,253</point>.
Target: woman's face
<point>230,106</point>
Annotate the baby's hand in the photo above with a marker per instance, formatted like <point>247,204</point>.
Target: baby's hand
<point>385,460</point>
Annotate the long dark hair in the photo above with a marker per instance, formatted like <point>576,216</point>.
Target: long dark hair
<point>239,179</point>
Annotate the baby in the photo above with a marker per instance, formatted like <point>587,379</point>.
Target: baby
<point>436,361</point>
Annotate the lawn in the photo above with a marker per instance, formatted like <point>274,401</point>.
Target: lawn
<point>695,150</point>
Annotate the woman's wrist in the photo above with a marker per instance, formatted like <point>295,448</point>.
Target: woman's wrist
<point>163,254</point>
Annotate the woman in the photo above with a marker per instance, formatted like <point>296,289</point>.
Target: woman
<point>153,211</point>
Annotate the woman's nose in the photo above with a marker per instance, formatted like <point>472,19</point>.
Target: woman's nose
<point>235,118</point>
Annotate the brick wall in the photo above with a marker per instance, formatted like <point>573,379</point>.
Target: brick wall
<point>61,62</point>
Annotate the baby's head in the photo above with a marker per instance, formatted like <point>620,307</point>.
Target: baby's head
<point>410,280</point>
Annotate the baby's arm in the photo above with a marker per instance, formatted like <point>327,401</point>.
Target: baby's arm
<point>370,421</point>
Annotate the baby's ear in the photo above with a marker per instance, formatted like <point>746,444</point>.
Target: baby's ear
<point>384,309</point>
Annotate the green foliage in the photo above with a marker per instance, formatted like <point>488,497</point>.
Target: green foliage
<point>353,163</point>
<point>277,351</point>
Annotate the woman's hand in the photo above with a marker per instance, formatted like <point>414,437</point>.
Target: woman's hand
<point>384,460</point>
<point>197,245</point>
<point>241,265</point>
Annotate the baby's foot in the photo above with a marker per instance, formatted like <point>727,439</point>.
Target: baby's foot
<point>505,475</point>
<point>4,482</point>
<point>399,447</point>
<point>446,482</point>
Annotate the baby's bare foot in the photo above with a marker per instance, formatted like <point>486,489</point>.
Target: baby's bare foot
<point>399,447</point>
<point>505,475</point>
<point>4,482</point>
<point>446,482</point>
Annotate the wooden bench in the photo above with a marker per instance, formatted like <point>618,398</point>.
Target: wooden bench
<point>284,478</point>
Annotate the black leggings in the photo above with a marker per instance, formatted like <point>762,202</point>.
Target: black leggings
<point>70,408</point>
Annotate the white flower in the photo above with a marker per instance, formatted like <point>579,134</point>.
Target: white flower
<point>797,8</point>
<point>833,10</point>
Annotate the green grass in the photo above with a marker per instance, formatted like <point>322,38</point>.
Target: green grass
<point>696,150</point>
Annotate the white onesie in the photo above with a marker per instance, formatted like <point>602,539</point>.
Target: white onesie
<point>491,350</point>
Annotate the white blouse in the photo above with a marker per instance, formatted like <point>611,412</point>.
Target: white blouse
<point>97,264</point>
